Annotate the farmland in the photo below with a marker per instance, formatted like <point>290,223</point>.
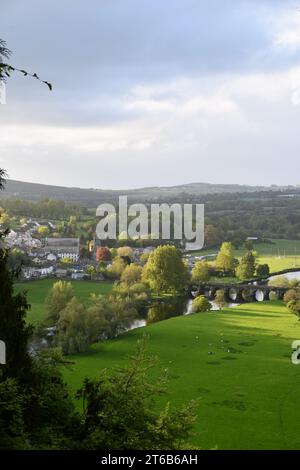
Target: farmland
<point>280,254</point>
<point>235,362</point>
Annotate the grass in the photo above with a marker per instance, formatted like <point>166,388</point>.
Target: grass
<point>279,263</point>
<point>38,290</point>
<point>281,254</point>
<point>236,362</point>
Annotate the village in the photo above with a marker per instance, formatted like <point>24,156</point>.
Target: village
<point>43,248</point>
<point>65,257</point>
<point>62,257</point>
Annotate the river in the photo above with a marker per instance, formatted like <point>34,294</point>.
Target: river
<point>289,276</point>
<point>171,307</point>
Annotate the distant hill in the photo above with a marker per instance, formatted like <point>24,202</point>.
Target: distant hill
<point>93,197</point>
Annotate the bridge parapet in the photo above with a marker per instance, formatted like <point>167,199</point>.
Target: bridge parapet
<point>237,293</point>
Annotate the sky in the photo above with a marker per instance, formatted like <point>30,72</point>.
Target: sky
<point>152,92</point>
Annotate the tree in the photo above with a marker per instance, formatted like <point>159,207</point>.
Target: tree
<point>131,274</point>
<point>279,281</point>
<point>120,412</point>
<point>7,69</point>
<point>165,270</point>
<point>121,313</point>
<point>101,267</point>
<point>291,294</point>
<point>125,252</point>
<point>200,272</point>
<point>113,253</point>
<point>91,270</point>
<point>116,312</point>
<point>220,299</point>
<point>4,54</point>
<point>238,237</point>
<point>36,410</point>
<point>225,258</point>
<point>43,231</point>
<point>16,259</point>
<point>66,260</point>
<point>97,319</point>
<point>144,258</point>
<point>248,244</point>
<point>262,270</point>
<point>116,269</point>
<point>4,218</point>
<point>57,299</point>
<point>294,283</point>
<point>107,316</point>
<point>2,172</point>
<point>294,307</point>
<point>134,295</point>
<point>13,329</point>
<point>53,420</point>
<point>72,335</point>
<point>73,220</point>
<point>12,426</point>
<point>201,304</point>
<point>103,254</point>
<point>211,235</point>
<point>246,267</point>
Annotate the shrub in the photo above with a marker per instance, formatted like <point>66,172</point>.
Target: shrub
<point>201,304</point>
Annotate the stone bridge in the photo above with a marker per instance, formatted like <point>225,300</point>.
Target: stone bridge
<point>237,293</point>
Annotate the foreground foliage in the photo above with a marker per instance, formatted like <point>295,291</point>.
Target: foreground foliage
<point>120,412</point>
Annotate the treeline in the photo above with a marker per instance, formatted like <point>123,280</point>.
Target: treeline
<point>75,327</point>
<point>44,209</point>
<point>264,214</point>
<point>260,214</point>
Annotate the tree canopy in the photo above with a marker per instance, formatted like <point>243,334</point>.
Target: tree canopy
<point>165,270</point>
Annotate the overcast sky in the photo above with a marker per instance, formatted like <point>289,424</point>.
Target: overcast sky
<point>152,92</point>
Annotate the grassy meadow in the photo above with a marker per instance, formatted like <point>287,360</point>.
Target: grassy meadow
<point>280,254</point>
<point>235,362</point>
<point>37,292</point>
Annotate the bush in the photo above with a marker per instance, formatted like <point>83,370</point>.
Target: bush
<point>279,281</point>
<point>201,304</point>
<point>220,299</point>
<point>291,294</point>
<point>200,272</point>
<point>294,307</point>
<point>262,270</point>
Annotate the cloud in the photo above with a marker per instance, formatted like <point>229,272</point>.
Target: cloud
<point>227,127</point>
<point>153,92</point>
<point>287,27</point>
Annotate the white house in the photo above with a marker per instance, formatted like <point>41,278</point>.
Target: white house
<point>63,247</point>
<point>51,257</point>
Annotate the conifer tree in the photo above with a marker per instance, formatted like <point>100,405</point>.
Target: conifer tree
<point>13,307</point>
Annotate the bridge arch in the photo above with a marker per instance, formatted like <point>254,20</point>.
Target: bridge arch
<point>238,293</point>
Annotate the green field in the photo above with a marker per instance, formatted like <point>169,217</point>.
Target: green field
<point>37,292</point>
<point>247,388</point>
<point>281,254</point>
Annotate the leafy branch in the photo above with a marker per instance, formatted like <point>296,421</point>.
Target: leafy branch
<point>6,69</point>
